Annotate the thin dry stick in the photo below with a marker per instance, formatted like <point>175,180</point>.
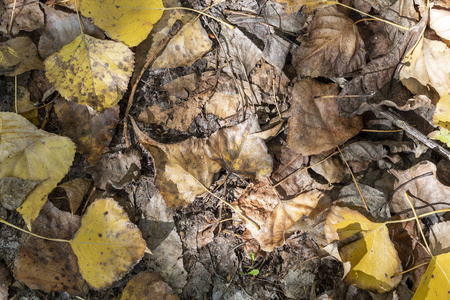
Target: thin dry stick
<point>175,29</point>
<point>418,223</point>
<point>306,168</point>
<point>379,130</point>
<point>354,179</point>
<point>12,17</point>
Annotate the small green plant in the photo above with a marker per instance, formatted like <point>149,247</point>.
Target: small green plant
<point>251,270</point>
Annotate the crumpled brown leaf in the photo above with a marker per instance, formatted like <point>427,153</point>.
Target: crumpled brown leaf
<point>89,130</point>
<point>261,204</point>
<point>428,193</point>
<point>333,47</point>
<point>51,266</point>
<point>147,285</point>
<point>75,191</point>
<point>27,16</point>
<point>315,125</point>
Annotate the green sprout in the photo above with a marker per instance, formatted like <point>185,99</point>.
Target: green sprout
<point>251,270</point>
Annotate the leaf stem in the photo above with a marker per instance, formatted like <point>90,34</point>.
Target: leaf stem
<point>418,223</point>
<point>31,233</point>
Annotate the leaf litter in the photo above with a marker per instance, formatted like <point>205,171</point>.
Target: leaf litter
<point>238,173</point>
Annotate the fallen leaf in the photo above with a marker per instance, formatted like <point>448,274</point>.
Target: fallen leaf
<point>373,258</point>
<point>61,28</point>
<point>116,169</point>
<point>147,285</point>
<point>427,67</point>
<point>443,135</point>
<point>333,169</point>
<point>13,191</point>
<point>75,191</point>
<point>260,203</point>
<point>435,283</point>
<point>441,116</point>
<point>428,193</point>
<point>27,16</point>
<point>333,47</point>
<point>91,71</point>
<point>32,154</point>
<point>183,170</point>
<point>89,130</point>
<point>128,22</point>
<point>439,22</point>
<point>315,124</point>
<point>46,265</point>
<point>439,238</point>
<point>9,59</point>
<point>25,107</point>
<point>107,244</point>
<point>27,53</point>
<point>240,150</point>
<point>293,6</point>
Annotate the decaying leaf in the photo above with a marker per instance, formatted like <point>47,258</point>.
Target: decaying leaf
<point>27,16</point>
<point>333,47</point>
<point>123,20</point>
<point>261,204</point>
<point>75,191</point>
<point>428,194</point>
<point>32,154</point>
<point>428,67</point>
<point>91,71</point>
<point>148,285</point>
<point>13,191</point>
<point>107,244</point>
<point>9,59</point>
<point>443,135</point>
<point>61,28</point>
<point>116,169</point>
<point>315,124</point>
<point>27,53</point>
<point>25,107</point>
<point>440,22</point>
<point>441,116</point>
<point>89,130</point>
<point>46,265</point>
<point>373,258</point>
<point>240,150</point>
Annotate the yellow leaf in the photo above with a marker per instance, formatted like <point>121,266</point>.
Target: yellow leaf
<point>107,244</point>
<point>9,59</point>
<point>27,53</point>
<point>441,116</point>
<point>91,71</point>
<point>435,283</point>
<point>32,154</point>
<point>373,258</point>
<point>129,21</point>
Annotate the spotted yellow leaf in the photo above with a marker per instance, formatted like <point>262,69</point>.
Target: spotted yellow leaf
<point>373,258</point>
<point>129,21</point>
<point>107,244</point>
<point>435,283</point>
<point>32,154</point>
<point>91,71</point>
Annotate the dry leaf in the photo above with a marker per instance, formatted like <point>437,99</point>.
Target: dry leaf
<point>439,238</point>
<point>75,191</point>
<point>89,130</point>
<point>441,116</point>
<point>373,258</point>
<point>435,283</point>
<point>13,191</point>
<point>116,169</point>
<point>25,107</point>
<point>123,20</point>
<point>428,67</point>
<point>61,28</point>
<point>27,53</point>
<point>443,135</point>
<point>148,285</point>
<point>240,150</point>
<point>333,47</point>
<point>50,266</point>
<point>428,193</point>
<point>9,59</point>
<point>27,16</point>
<point>91,71</point>
<point>440,22</point>
<point>315,124</point>
<point>107,244</point>
<point>32,154</point>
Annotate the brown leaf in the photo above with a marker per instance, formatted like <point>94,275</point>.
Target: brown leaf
<point>5,281</point>
<point>315,124</point>
<point>27,16</point>
<point>61,28</point>
<point>50,266</point>
<point>261,204</point>
<point>27,52</point>
<point>75,191</point>
<point>116,169</point>
<point>240,150</point>
<point>439,238</point>
<point>89,130</point>
<point>429,193</point>
<point>333,47</point>
<point>13,191</point>
<point>147,285</point>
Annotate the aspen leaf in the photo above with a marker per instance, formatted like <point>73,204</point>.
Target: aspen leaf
<point>75,191</point>
<point>440,22</point>
<point>9,59</point>
<point>27,16</point>
<point>129,21</point>
<point>91,71</point>
<point>32,154</point>
<point>107,244</point>
<point>148,285</point>
<point>373,258</point>
<point>435,283</point>
<point>27,53</point>
<point>441,116</point>
<point>443,135</point>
